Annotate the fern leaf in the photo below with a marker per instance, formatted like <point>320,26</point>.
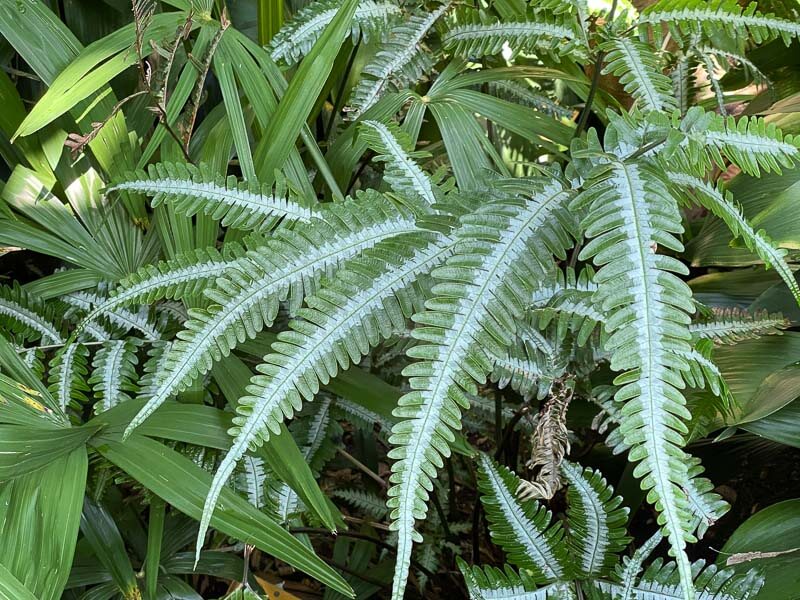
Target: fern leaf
<point>569,301</point>
<point>639,71</point>
<point>722,205</point>
<point>254,480</point>
<point>400,61</point>
<point>290,262</point>
<point>27,316</point>
<point>596,521</point>
<point>490,583</point>
<point>476,40</point>
<point>704,374</point>
<point>192,189</point>
<point>519,93</point>
<point>394,148</point>
<point>628,571</point>
<point>114,373</point>
<point>293,41</point>
<point>630,211</point>
<point>732,325</point>
<point>504,248</point>
<point>369,503</point>
<point>118,317</point>
<point>67,377</point>
<point>522,528</point>
<point>367,300</point>
<point>696,17</point>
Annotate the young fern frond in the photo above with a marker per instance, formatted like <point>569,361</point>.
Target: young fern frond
<point>294,40</point>
<point>697,17</point>
<point>721,204</point>
<point>114,373</point>
<point>504,248</point>
<point>630,212</point>
<point>596,521</point>
<point>400,61</point>
<point>368,300</point>
<point>395,149</point>
<point>639,70</point>
<point>27,316</point>
<point>289,264</point>
<point>67,377</point>
<point>523,529</point>
<point>732,325</point>
<point>192,190</point>
<point>476,40</point>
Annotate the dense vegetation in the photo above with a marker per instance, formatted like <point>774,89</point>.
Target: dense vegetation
<point>369,298</point>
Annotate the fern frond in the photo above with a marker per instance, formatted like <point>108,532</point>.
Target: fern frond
<point>640,72</point>
<point>596,521</point>
<point>114,373</point>
<point>523,529</point>
<point>630,212</point>
<point>519,93</point>
<point>491,583</point>
<point>27,317</point>
<point>288,264</point>
<point>732,325</point>
<point>368,299</point>
<point>627,572</point>
<point>399,62</point>
<point>395,149</point>
<point>527,370</point>
<point>504,248</point>
<point>253,481</point>
<point>704,374</point>
<point>697,17</point>
<point>118,317</point>
<point>67,377</point>
<point>721,204</point>
<point>153,369</point>
<point>362,418</point>
<point>476,40</point>
<point>293,41</point>
<point>367,502</point>
<point>237,204</point>
<point>569,301</point>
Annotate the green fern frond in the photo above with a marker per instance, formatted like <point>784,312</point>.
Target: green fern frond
<point>596,521</point>
<point>114,373</point>
<point>153,369</point>
<point>721,204</point>
<point>569,302</point>
<point>704,374</point>
<point>27,317</point>
<point>367,502</point>
<point>697,17</point>
<point>476,40</point>
<point>289,264</point>
<point>732,325</point>
<point>627,572</point>
<point>362,418</point>
<point>395,149</point>
<point>67,377</point>
<point>253,481</point>
<point>491,583</point>
<point>118,317</point>
<point>523,529</point>
<point>630,212</point>
<point>237,204</point>
<point>640,72</point>
<point>368,300</point>
<point>526,368</point>
<point>504,248</point>
<point>294,40</point>
<point>399,62</point>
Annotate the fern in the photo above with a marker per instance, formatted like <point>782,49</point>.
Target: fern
<point>367,300</point>
<point>118,317</point>
<point>371,504</point>
<point>630,211</point>
<point>732,325</point>
<point>27,317</point>
<point>67,377</point>
<point>503,248</point>
<point>399,61</point>
<point>393,148</point>
<point>288,264</point>
<point>490,583</point>
<point>114,373</point>
<point>295,38</point>
<point>192,190</point>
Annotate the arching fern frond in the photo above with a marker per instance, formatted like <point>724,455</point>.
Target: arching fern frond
<point>289,264</point>
<point>121,318</point>
<point>523,529</point>
<point>399,62</point>
<point>368,300</point>
<point>640,72</point>
<point>395,149</point>
<point>721,204</point>
<point>27,317</point>
<point>114,373</point>
<point>630,212</point>
<point>293,41</point>
<point>192,190</point>
<point>491,583</point>
<point>596,521</point>
<point>732,325</point>
<point>67,377</point>
<point>504,248</point>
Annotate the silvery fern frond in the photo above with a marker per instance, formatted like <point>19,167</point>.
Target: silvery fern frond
<point>287,265</point>
<point>113,376</point>
<point>367,300</point>
<point>631,213</point>
<point>503,248</point>
<point>67,376</point>
<point>120,318</point>
<point>191,190</point>
<point>28,317</point>
<point>491,583</point>
<point>372,505</point>
<point>292,42</point>
<point>399,61</point>
<point>569,303</point>
<point>732,325</point>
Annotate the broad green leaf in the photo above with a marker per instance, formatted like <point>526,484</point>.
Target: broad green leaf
<point>24,449</point>
<point>782,426</point>
<point>11,588</point>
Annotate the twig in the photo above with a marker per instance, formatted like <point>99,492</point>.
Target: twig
<point>363,468</point>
